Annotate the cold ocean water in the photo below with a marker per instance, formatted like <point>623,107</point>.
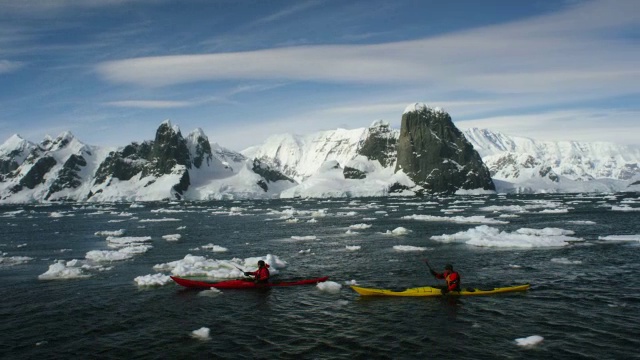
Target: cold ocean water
<point>583,268</point>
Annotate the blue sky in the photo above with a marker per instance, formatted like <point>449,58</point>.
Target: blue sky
<point>111,71</point>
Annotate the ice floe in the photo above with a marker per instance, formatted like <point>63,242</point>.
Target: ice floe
<point>486,236</point>
<point>456,219</point>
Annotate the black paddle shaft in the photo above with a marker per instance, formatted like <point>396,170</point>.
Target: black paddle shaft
<point>427,262</point>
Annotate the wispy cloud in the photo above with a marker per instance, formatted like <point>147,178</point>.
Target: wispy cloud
<point>552,54</point>
<point>294,9</point>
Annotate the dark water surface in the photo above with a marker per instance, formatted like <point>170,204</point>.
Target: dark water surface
<point>585,305</point>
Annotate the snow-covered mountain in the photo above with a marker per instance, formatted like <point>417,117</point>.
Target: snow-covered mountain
<point>169,167</point>
<point>527,165</point>
<point>428,154</point>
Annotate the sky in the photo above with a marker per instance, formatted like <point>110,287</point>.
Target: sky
<point>111,71</point>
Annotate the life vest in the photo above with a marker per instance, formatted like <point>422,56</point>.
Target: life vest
<point>452,278</point>
<point>262,274</point>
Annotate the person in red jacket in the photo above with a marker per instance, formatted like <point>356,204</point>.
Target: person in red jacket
<point>261,276</point>
<point>451,277</point>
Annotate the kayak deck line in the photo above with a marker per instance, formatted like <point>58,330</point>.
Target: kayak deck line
<point>242,283</point>
<point>427,291</point>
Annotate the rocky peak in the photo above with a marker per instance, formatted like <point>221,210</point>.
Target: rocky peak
<point>199,148</point>
<point>436,155</point>
<point>380,144</point>
<point>61,141</point>
<point>169,149</point>
<point>13,152</point>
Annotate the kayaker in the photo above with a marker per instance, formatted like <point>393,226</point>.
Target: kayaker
<point>451,277</point>
<point>261,276</point>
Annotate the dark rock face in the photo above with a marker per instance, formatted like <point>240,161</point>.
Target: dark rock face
<point>68,177</point>
<point>353,173</point>
<point>202,152</point>
<point>169,149</point>
<point>268,174</point>
<point>124,164</point>
<point>380,144</point>
<point>437,156</point>
<point>36,174</point>
<point>154,158</point>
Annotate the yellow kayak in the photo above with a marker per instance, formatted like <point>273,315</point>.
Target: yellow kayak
<point>431,291</point>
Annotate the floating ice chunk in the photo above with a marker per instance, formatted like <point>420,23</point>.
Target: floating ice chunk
<point>409,248</point>
<point>126,240</point>
<point>398,231</point>
<point>486,236</point>
<point>329,286</point>
<point>544,232</point>
<point>553,211</point>
<point>304,251</point>
<point>110,233</point>
<point>620,237</point>
<point>63,270</point>
<point>13,260</point>
<point>582,222</point>
<point>201,334</point>
<point>624,208</point>
<point>172,237</point>
<point>456,219</point>
<point>160,220</point>
<point>215,248</point>
<point>310,237</point>
<point>529,341</point>
<point>360,226</point>
<point>117,255</point>
<point>353,248</point>
<point>152,280</point>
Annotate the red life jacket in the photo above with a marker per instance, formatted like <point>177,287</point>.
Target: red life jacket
<point>452,278</point>
<point>262,274</point>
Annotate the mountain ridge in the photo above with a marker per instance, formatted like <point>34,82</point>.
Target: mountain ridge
<point>335,163</point>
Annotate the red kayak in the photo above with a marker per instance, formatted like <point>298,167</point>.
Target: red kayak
<point>242,284</point>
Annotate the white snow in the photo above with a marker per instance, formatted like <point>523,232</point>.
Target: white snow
<point>409,248</point>
<point>303,238</point>
<point>360,226</point>
<point>172,237</point>
<point>201,334</point>
<point>214,248</point>
<point>624,208</point>
<point>123,253</point>
<point>63,270</point>
<point>620,237</point>
<point>485,236</point>
<point>397,231</point>
<point>329,287</point>
<point>152,280</point>
<point>456,219</point>
<point>529,341</point>
<point>110,232</point>
<point>13,260</point>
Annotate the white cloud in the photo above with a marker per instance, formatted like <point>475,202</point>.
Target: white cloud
<point>551,54</point>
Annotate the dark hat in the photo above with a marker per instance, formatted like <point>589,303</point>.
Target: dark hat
<point>448,267</point>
